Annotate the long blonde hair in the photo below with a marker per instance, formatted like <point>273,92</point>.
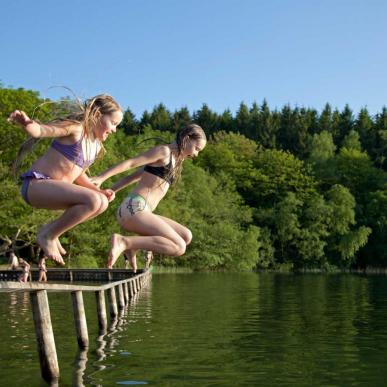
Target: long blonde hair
<point>86,114</point>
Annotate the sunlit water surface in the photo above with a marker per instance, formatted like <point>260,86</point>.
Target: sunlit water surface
<point>214,329</point>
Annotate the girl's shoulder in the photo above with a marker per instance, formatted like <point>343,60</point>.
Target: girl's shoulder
<point>73,129</point>
<point>162,150</point>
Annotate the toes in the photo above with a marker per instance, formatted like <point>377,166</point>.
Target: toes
<point>56,258</point>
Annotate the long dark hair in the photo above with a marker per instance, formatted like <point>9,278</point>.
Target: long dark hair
<point>190,132</point>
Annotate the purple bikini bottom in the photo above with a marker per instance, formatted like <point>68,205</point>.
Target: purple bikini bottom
<point>26,179</point>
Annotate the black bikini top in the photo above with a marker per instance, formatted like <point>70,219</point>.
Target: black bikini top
<point>164,172</point>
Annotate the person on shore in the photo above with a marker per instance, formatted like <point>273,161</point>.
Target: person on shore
<point>13,261</point>
<point>26,270</point>
<point>131,260</point>
<point>42,270</point>
<point>148,256</point>
<point>58,179</point>
<point>162,167</point>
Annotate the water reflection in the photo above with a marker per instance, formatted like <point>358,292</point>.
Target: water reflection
<point>79,367</point>
<point>222,329</point>
<point>108,343</point>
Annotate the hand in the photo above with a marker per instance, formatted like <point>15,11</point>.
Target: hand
<point>19,117</point>
<point>109,193</point>
<point>96,180</point>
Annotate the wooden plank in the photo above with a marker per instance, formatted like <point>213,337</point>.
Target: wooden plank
<point>44,335</point>
<point>121,301</point>
<point>131,292</point>
<point>58,274</point>
<point>112,302</point>
<point>126,293</point>
<point>101,311</point>
<point>80,319</point>
<point>31,286</point>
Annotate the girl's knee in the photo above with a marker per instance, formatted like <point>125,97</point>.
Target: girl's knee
<point>180,248</point>
<point>104,203</point>
<point>188,236</point>
<point>96,202</point>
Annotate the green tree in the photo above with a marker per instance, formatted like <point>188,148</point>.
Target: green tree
<point>180,119</point>
<point>242,120</point>
<point>129,123</point>
<point>226,122</point>
<point>160,118</point>
<point>207,119</point>
<point>352,141</point>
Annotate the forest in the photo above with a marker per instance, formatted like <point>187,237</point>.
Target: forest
<point>290,188</point>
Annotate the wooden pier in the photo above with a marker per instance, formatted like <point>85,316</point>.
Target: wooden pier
<point>120,286</point>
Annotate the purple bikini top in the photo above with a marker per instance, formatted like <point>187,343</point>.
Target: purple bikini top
<point>73,152</point>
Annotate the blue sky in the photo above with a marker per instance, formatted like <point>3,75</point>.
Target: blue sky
<point>186,53</point>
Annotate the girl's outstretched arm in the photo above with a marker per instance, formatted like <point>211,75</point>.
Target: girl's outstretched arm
<point>36,130</point>
<point>154,155</point>
<point>124,182</point>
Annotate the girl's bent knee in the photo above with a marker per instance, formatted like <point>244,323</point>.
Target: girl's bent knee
<point>180,248</point>
<point>188,237</point>
<point>104,203</point>
<point>94,202</point>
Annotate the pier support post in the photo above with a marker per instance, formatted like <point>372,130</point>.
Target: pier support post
<point>80,319</point>
<point>112,302</point>
<point>121,302</point>
<point>126,293</point>
<point>101,310</point>
<point>49,367</point>
<point>130,285</point>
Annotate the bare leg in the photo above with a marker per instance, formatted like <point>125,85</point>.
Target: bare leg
<point>79,203</point>
<point>183,231</point>
<point>158,236</point>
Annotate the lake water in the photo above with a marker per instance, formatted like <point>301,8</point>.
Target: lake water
<point>215,329</point>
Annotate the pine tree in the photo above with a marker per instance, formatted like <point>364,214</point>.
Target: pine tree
<point>242,120</point>
<point>325,119</point>
<point>129,123</point>
<point>161,118</point>
<point>181,118</point>
<point>207,119</point>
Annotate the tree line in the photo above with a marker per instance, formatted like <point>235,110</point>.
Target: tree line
<point>292,187</point>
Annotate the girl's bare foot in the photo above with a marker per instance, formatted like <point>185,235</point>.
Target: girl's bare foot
<point>44,229</point>
<point>130,256</point>
<point>118,246</point>
<point>50,247</point>
<point>62,251</point>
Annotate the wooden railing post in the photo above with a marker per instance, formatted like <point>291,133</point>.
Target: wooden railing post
<point>126,293</point>
<point>80,319</point>
<point>130,286</point>
<point>101,310</point>
<point>45,336</point>
<point>112,302</point>
<point>121,302</point>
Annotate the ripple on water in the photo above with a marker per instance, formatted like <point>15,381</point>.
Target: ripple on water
<point>217,329</point>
